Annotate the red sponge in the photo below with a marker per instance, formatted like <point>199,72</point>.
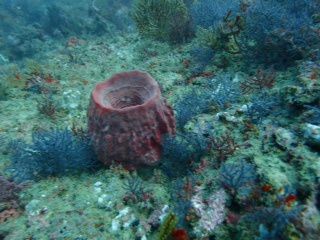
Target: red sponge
<point>126,119</point>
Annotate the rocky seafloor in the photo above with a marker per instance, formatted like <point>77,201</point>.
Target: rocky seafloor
<point>245,163</point>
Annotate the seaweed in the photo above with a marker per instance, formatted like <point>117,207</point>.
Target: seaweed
<point>134,186</point>
<point>167,226</point>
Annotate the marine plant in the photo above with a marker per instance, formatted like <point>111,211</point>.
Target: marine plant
<point>164,20</point>
<point>47,106</point>
<point>135,191</point>
<point>167,226</point>
<point>51,153</point>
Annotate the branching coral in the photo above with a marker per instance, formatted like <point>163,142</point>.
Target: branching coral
<point>224,90</point>
<point>238,178</point>
<point>261,80</point>
<point>220,23</point>
<point>180,151</point>
<point>51,153</point>
<point>273,221</point>
<point>278,32</point>
<point>261,106</point>
<point>190,104</point>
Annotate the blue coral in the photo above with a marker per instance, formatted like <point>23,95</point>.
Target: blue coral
<point>51,153</point>
<point>210,14</point>
<point>191,104</point>
<point>273,221</point>
<point>179,151</point>
<point>280,31</point>
<point>261,106</point>
<point>224,90</point>
<point>201,57</point>
<point>238,178</point>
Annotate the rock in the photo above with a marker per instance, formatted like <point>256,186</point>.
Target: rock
<point>98,184</point>
<point>285,138</point>
<point>312,135</point>
<point>33,208</point>
<point>124,219</point>
<point>70,100</point>
<point>228,117</point>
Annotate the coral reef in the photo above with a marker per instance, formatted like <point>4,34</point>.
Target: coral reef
<point>242,78</point>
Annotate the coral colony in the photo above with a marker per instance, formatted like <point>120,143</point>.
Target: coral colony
<point>160,119</point>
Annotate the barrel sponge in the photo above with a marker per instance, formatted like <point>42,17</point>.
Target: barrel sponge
<point>127,118</point>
